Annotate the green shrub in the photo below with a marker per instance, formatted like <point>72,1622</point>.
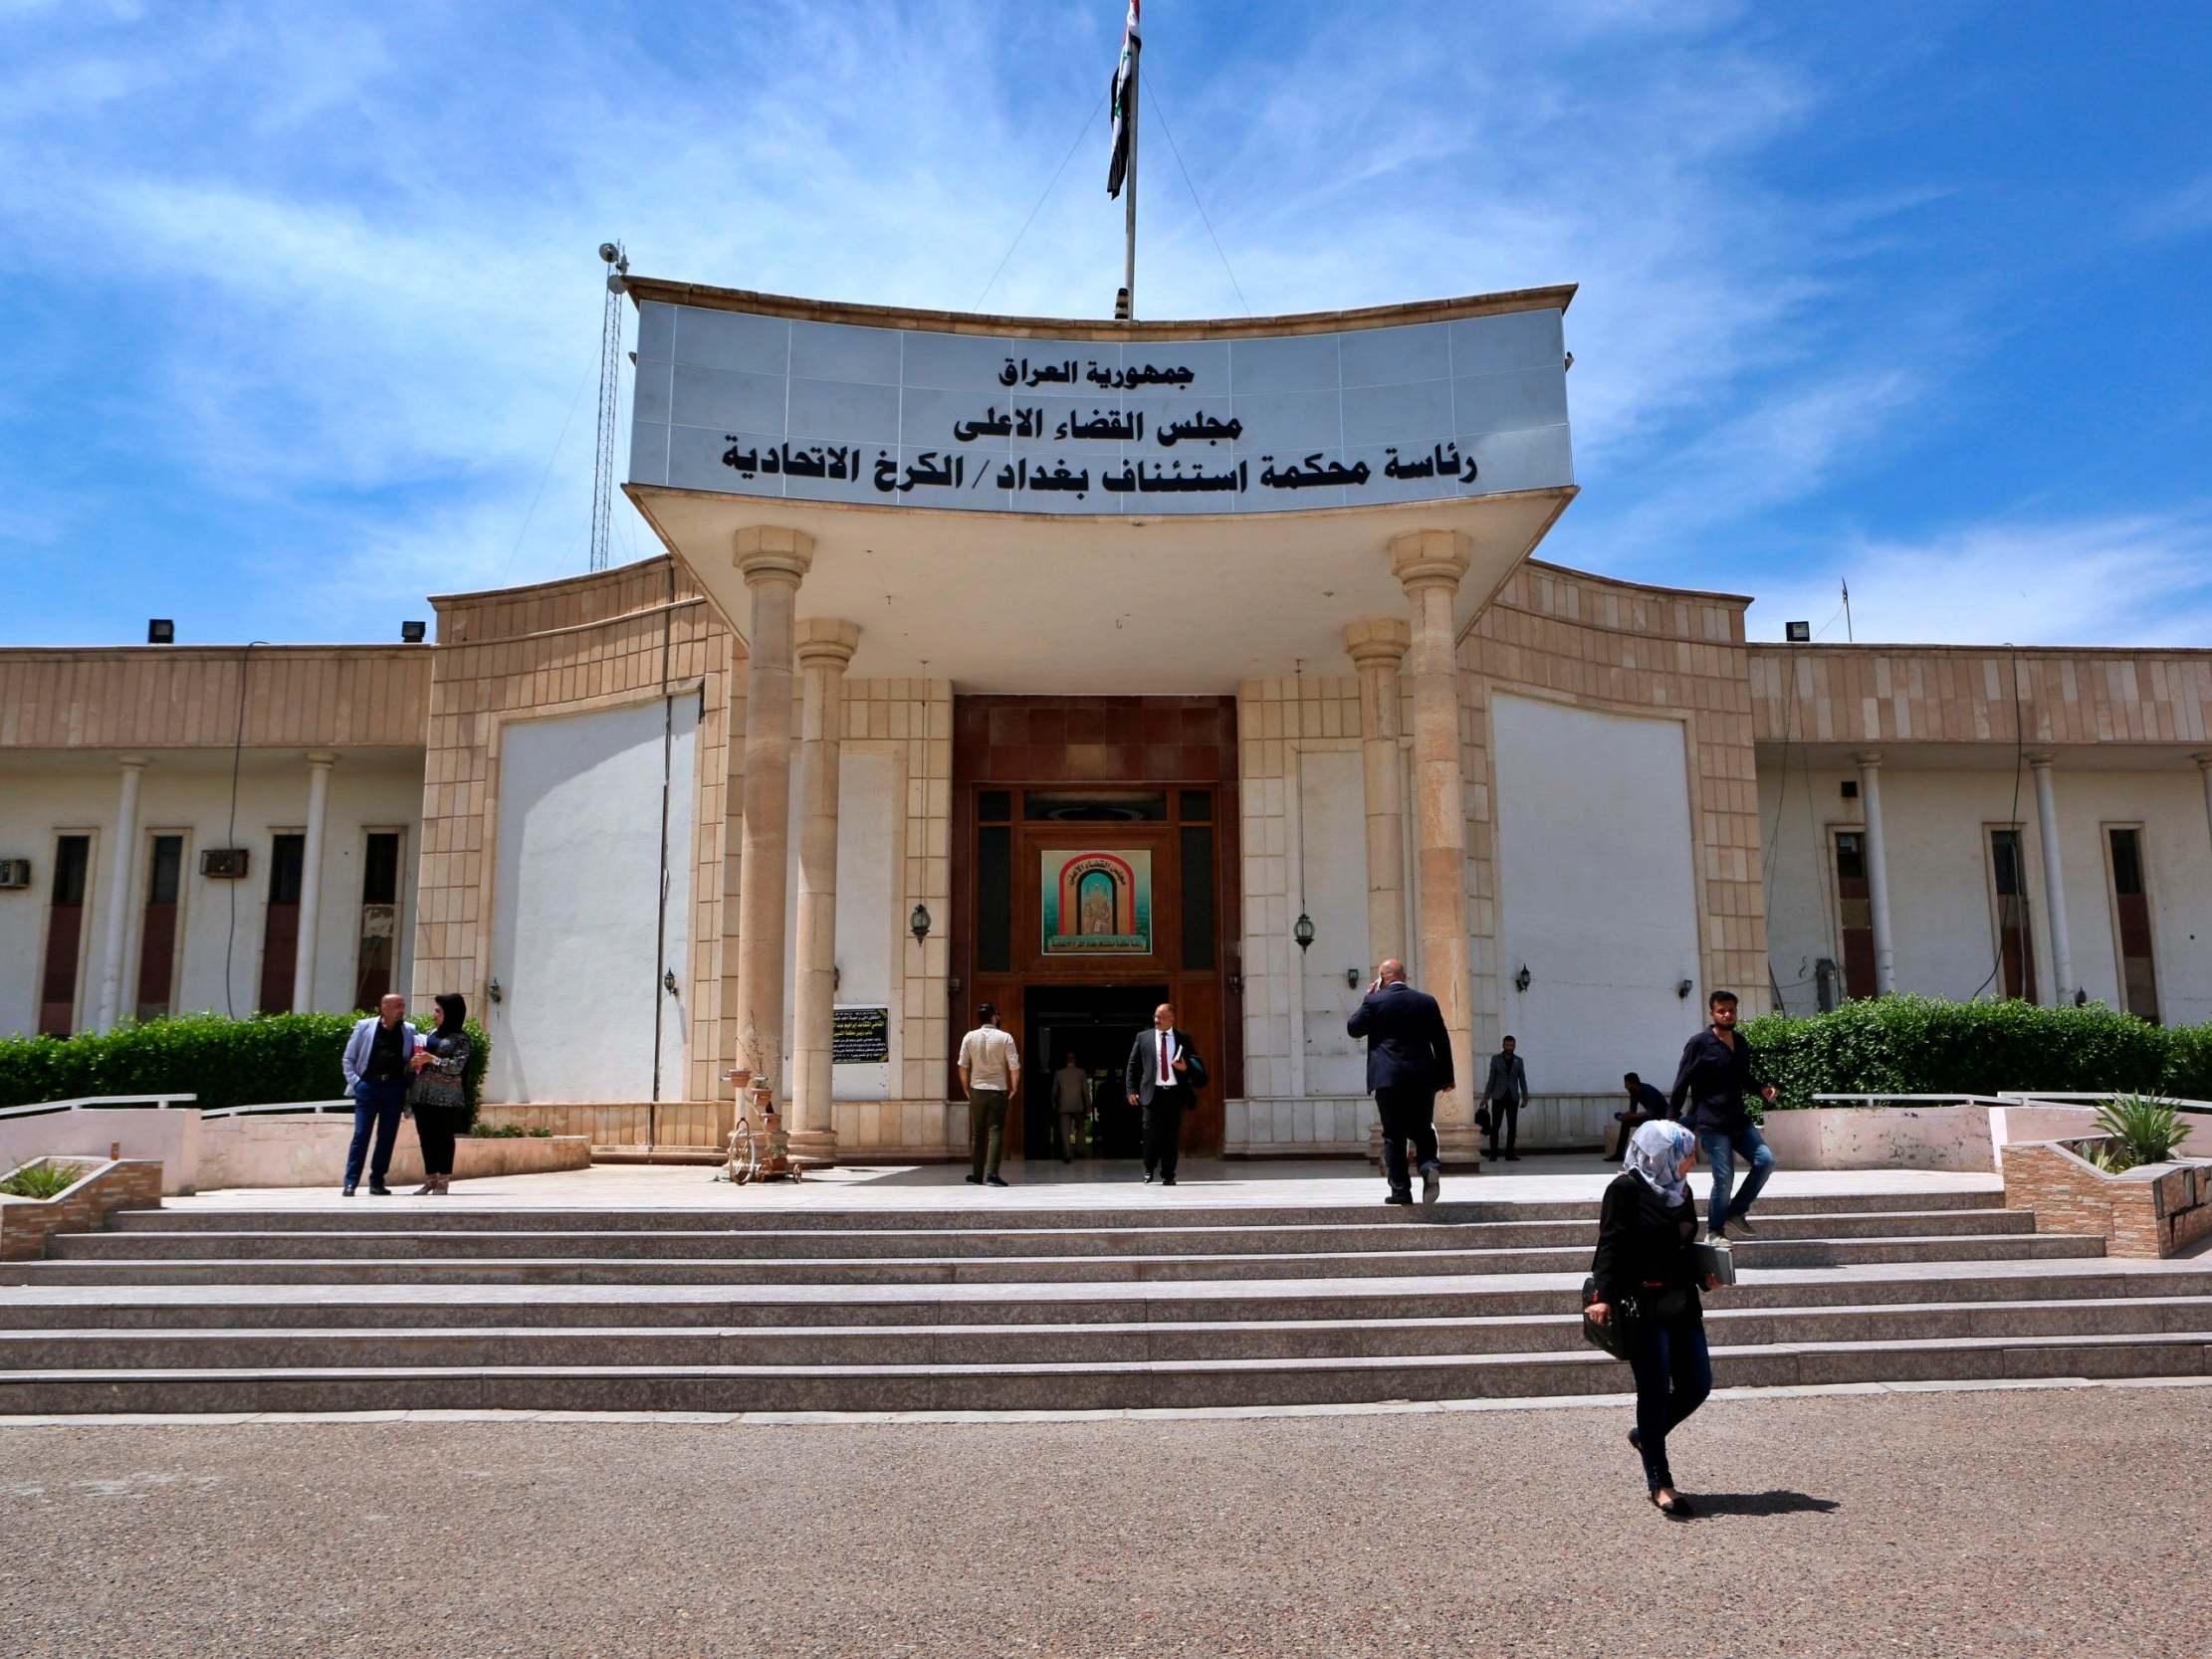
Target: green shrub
<point>225,1062</point>
<point>2144,1130</point>
<point>2188,1072</point>
<point>1920,1045</point>
<point>41,1180</point>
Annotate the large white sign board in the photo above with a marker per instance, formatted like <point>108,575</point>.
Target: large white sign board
<point>751,405</point>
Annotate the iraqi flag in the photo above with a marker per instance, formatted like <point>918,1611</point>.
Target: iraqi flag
<point>1125,103</point>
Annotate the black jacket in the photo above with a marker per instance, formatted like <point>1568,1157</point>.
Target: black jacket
<point>1713,1079</point>
<point>1644,1243</point>
<point>1407,1046</point>
<point>1140,1076</point>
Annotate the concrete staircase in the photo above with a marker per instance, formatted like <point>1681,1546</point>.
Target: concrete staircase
<point>385,1305</point>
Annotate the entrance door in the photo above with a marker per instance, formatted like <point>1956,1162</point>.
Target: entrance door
<point>1096,1024</point>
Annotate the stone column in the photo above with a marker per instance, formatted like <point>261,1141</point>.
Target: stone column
<point>2204,767</point>
<point>1429,564</point>
<point>2053,880</point>
<point>825,648</point>
<point>122,863</point>
<point>319,763</point>
<point>772,560</point>
<point>1376,648</point>
<point>1877,872</point>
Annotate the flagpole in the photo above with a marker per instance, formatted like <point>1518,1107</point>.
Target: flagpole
<point>1129,250</point>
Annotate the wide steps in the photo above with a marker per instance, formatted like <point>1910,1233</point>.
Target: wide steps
<point>723,1244</point>
<point>1128,1385</point>
<point>1057,1343</point>
<point>406,1214</point>
<point>390,1305</point>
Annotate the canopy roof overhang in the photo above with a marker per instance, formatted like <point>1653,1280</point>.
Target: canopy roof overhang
<point>1015,603</point>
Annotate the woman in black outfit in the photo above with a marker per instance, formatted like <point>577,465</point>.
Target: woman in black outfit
<point>1645,1233</point>
<point>437,1096</point>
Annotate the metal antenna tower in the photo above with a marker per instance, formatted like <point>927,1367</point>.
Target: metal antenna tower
<point>617,261</point>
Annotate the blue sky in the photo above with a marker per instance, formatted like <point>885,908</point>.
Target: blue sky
<point>303,315</point>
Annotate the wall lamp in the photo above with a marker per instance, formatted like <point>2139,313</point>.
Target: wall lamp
<point>1236,983</point>
<point>1351,976</point>
<point>1522,978</point>
<point>668,980</point>
<point>1302,931</point>
<point>493,990</point>
<point>1682,988</point>
<point>918,923</point>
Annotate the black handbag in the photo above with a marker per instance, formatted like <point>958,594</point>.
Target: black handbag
<point>1612,1336</point>
<point>1483,1117</point>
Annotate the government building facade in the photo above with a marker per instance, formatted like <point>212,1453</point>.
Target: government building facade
<point>1076,668</point>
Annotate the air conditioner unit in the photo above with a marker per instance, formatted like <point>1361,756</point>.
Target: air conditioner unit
<point>224,862</point>
<point>15,872</point>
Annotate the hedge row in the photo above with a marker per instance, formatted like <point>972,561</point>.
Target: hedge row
<point>1920,1045</point>
<point>225,1062</point>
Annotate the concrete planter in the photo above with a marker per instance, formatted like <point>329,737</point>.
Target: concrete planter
<point>82,1207</point>
<point>309,1150</point>
<point>1952,1137</point>
<point>2151,1211</point>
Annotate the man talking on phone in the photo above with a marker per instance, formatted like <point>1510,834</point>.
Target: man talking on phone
<point>1408,1063</point>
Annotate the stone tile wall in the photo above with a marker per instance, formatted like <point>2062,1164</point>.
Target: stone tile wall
<point>186,697</point>
<point>1874,693</point>
<point>2151,1212</point>
<point>570,647</point>
<point>27,1223</point>
<point>1622,648</point>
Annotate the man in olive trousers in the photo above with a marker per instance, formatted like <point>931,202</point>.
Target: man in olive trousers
<point>990,1072</point>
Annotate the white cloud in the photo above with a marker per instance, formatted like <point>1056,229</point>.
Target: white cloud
<point>2143,579</point>
<point>355,246</point>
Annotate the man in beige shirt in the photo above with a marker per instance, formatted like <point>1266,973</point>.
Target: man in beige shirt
<point>990,1072</point>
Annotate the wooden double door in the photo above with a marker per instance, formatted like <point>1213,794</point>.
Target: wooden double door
<point>1083,901</point>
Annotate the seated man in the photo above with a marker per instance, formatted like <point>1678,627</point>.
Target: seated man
<point>1644,1105</point>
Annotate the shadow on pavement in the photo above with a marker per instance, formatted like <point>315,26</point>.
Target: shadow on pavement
<point>1776,1502</point>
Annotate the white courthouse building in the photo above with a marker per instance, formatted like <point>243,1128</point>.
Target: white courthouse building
<point>1076,667</point>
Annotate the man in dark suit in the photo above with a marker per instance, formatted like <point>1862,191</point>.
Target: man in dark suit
<point>1408,1063</point>
<point>1162,1074</point>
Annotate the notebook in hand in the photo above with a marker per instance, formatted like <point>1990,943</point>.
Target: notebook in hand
<point>1714,1260</point>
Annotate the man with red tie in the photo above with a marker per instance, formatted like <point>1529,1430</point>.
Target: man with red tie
<point>1162,1074</point>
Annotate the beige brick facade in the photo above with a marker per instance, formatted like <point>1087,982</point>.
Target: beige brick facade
<point>1626,649</point>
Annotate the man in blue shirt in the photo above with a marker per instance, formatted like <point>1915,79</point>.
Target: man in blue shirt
<point>379,1057</point>
<point>1716,1071</point>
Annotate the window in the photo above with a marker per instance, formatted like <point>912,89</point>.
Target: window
<point>1855,913</point>
<point>158,933</point>
<point>994,899</point>
<point>280,932</point>
<point>2016,945</point>
<point>380,930</point>
<point>65,935</point>
<point>2139,972</point>
<point>1197,895</point>
<point>1095,806</point>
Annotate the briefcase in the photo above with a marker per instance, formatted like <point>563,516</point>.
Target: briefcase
<point>1612,1336</point>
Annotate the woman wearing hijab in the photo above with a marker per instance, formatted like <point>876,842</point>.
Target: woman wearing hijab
<point>1645,1233</point>
<point>437,1096</point>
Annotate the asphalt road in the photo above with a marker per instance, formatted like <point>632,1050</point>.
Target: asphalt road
<point>2073,1521</point>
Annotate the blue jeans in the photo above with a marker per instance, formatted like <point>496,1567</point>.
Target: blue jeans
<point>376,1107</point>
<point>1673,1374</point>
<point>1721,1152</point>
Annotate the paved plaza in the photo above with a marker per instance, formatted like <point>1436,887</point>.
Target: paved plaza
<point>2046,1521</point>
<point>1091,1184</point>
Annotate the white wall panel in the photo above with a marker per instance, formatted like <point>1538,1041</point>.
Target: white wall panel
<point>577,932</point>
<point>1597,892</point>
